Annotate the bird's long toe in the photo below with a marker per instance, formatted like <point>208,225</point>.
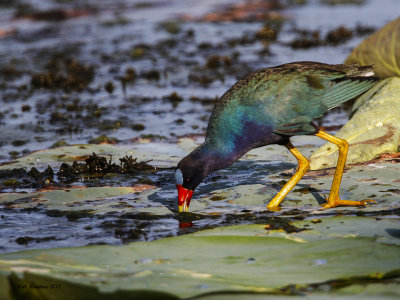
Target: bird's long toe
<point>339,202</point>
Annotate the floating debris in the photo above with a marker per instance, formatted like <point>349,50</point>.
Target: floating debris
<point>251,260</point>
<point>339,35</point>
<point>174,98</point>
<point>282,224</point>
<point>22,179</point>
<point>246,11</point>
<point>103,139</point>
<point>99,165</point>
<point>69,75</point>
<point>94,166</point>
<point>313,38</point>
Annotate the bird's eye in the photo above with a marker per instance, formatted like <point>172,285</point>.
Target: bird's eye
<point>178,177</point>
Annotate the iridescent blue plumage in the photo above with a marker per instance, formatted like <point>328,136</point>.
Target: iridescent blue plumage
<point>269,106</point>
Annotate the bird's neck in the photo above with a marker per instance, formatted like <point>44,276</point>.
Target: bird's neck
<point>222,148</point>
<point>217,157</point>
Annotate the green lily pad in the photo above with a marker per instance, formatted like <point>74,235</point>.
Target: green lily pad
<point>246,258</point>
<point>373,130</point>
<point>377,182</point>
<point>93,199</point>
<point>381,49</point>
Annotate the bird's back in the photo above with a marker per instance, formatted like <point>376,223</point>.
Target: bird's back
<point>282,101</point>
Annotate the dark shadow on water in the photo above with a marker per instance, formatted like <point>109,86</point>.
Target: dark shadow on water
<point>167,197</point>
<point>321,200</point>
<point>394,232</point>
<point>243,173</point>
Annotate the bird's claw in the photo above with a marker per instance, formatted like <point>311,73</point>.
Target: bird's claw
<point>366,201</point>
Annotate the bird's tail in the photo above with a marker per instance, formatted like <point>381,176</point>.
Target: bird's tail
<point>356,81</point>
<point>357,71</point>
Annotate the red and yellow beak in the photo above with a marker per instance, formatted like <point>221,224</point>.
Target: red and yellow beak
<point>184,197</point>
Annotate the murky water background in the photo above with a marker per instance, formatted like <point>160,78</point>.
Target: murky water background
<point>156,68</point>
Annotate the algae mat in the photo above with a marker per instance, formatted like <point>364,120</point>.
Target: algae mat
<point>330,254</point>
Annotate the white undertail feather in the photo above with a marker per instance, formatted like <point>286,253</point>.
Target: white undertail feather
<point>369,73</point>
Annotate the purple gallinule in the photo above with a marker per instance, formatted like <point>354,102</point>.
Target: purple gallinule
<point>268,106</point>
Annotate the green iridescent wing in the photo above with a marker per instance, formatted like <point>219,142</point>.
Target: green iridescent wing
<point>289,97</point>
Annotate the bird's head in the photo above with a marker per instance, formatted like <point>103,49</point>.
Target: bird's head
<point>188,175</point>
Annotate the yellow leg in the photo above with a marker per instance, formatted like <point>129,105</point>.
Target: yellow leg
<point>334,199</point>
<point>304,165</point>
